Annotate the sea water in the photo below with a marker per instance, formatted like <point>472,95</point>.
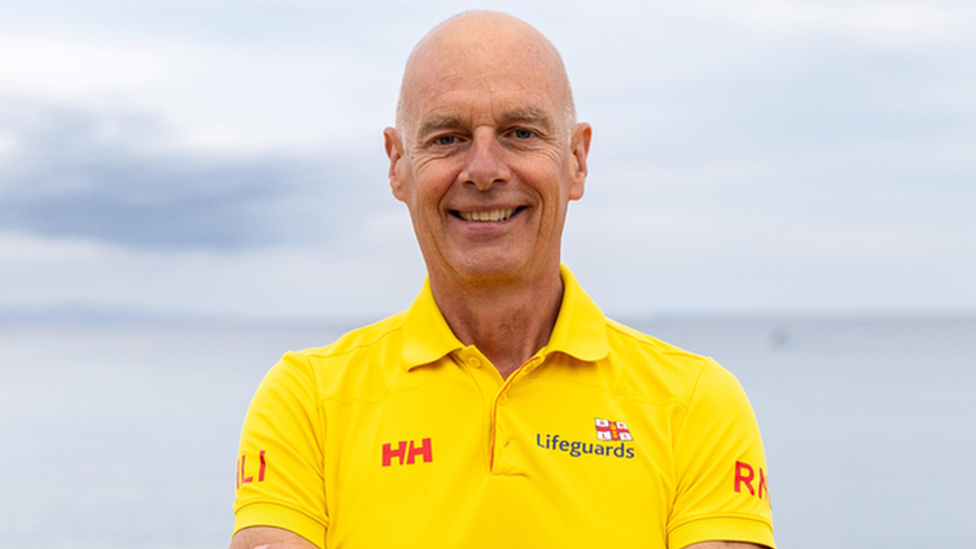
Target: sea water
<point>124,435</point>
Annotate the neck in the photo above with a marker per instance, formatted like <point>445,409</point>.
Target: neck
<point>508,323</point>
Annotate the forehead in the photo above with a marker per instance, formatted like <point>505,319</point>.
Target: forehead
<point>451,76</point>
<point>493,98</point>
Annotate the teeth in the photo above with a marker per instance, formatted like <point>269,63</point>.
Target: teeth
<point>493,215</point>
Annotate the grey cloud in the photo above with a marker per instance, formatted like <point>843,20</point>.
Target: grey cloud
<point>109,178</point>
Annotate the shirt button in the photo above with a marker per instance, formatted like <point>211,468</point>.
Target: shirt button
<point>476,362</point>
<point>503,399</point>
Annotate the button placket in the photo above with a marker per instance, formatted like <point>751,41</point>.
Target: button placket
<point>499,439</point>
<point>489,384</point>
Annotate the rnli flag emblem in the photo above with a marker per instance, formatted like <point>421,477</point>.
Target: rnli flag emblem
<point>612,430</point>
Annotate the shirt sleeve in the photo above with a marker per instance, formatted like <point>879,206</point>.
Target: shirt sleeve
<point>722,486</point>
<point>280,478</point>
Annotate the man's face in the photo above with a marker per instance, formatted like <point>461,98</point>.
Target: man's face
<point>487,165</point>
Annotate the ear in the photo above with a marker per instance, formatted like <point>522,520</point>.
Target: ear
<point>394,150</point>
<point>579,145</point>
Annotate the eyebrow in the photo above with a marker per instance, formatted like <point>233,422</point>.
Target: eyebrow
<point>437,122</point>
<point>527,115</point>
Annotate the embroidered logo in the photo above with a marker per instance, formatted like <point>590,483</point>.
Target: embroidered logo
<point>745,475</point>
<point>612,430</point>
<point>409,451</point>
<point>242,477</point>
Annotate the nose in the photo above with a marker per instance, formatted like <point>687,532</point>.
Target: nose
<point>485,163</point>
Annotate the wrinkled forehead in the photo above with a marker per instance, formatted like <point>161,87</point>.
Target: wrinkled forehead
<point>466,106</point>
<point>479,85</point>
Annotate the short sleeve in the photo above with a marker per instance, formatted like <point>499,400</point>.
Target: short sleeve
<point>722,479</point>
<point>280,479</point>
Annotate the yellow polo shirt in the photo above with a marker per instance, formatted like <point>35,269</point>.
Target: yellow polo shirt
<point>398,435</point>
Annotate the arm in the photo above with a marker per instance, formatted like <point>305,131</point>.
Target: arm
<point>280,484</point>
<point>722,490</point>
<point>257,537</point>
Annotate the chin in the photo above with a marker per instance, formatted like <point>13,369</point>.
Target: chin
<point>494,267</point>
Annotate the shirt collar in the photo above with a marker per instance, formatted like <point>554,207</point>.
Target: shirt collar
<point>426,335</point>
<point>580,329</point>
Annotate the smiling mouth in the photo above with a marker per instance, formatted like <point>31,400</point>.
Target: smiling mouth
<point>495,216</point>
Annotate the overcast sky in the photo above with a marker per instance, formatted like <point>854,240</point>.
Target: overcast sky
<point>226,158</point>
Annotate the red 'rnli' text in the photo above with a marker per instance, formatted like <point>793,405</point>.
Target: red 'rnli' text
<point>242,479</point>
<point>745,475</point>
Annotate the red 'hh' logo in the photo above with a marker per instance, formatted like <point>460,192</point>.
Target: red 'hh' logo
<point>409,451</point>
<point>745,475</point>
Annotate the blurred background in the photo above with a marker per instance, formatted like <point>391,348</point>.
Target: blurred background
<point>189,189</point>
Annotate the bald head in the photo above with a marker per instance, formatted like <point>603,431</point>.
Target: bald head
<point>477,47</point>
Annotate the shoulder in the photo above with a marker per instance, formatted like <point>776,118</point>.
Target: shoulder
<point>624,337</point>
<point>645,365</point>
<point>365,338</point>
<point>325,369</point>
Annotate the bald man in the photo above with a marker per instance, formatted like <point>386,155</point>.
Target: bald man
<point>502,409</point>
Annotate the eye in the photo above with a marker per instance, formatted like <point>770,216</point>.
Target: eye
<point>522,133</point>
<point>446,140</point>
